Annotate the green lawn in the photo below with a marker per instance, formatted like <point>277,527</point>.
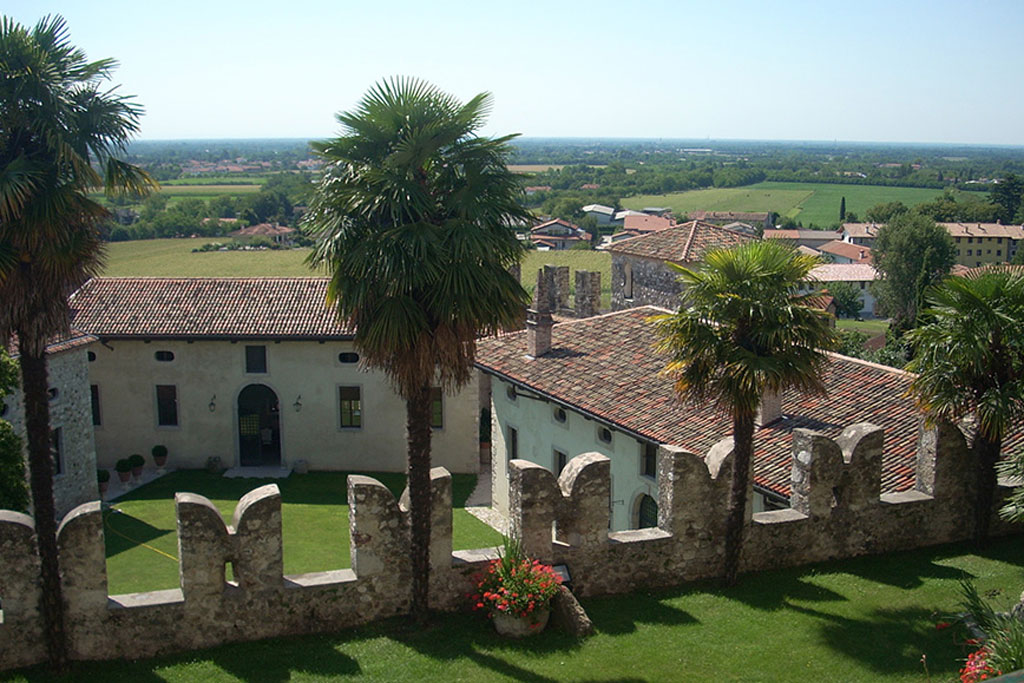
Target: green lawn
<point>871,327</point>
<point>869,619</point>
<point>816,203</point>
<point>142,543</point>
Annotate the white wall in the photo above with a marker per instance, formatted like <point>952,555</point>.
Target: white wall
<point>540,434</point>
<point>127,374</point>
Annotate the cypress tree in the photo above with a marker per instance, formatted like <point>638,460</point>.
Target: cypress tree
<point>842,209</point>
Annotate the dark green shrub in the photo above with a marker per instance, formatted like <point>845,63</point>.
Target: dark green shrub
<point>123,465</point>
<point>102,476</point>
<point>159,451</point>
<point>136,460</point>
<point>13,487</point>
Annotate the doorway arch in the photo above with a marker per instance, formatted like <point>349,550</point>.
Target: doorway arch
<point>259,427</point>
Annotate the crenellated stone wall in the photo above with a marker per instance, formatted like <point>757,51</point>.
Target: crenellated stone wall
<point>836,512</point>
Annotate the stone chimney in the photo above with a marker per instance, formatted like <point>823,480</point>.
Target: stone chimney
<point>588,293</point>
<point>557,278</point>
<point>538,317</point>
<point>769,410</point>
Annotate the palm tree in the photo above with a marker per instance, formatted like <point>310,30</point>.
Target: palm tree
<point>969,360</point>
<point>412,218</point>
<point>742,332</point>
<point>56,129</point>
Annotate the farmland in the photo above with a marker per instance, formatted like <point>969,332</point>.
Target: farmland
<point>809,203</point>
<point>174,258</point>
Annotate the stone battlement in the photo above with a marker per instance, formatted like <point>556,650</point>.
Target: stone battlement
<point>836,512</point>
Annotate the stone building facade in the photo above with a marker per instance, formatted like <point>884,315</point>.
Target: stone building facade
<point>641,274</point>
<point>72,443</point>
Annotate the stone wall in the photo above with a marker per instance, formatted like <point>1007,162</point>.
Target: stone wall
<point>836,512</point>
<point>71,413</point>
<point>654,283</point>
<point>588,293</point>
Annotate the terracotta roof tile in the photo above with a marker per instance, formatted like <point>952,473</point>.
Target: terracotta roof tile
<point>265,307</point>
<point>606,367</point>
<point>844,272</point>
<point>855,252</point>
<point>72,340</point>
<point>683,243</point>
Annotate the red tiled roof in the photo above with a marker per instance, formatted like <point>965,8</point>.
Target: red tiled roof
<point>229,307</point>
<point>646,223</point>
<point>683,243</point>
<point>856,252</point>
<point>59,344</point>
<point>606,367</point>
<point>731,215</point>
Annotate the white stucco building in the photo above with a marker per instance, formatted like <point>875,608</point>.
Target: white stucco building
<point>597,387</point>
<point>255,371</point>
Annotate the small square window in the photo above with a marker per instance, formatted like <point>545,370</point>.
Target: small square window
<point>256,359</point>
<point>970,252</point>
<point>561,458</point>
<point>604,435</point>
<point>350,404</point>
<point>436,408</point>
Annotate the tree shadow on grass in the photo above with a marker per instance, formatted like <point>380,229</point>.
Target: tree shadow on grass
<point>893,641</point>
<point>614,617</point>
<point>123,532</point>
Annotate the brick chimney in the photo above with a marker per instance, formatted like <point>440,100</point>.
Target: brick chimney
<point>769,410</point>
<point>538,318</point>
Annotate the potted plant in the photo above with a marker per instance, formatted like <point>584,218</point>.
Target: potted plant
<point>103,479</point>
<point>137,462</point>
<point>516,592</point>
<point>123,467</point>
<point>159,455</point>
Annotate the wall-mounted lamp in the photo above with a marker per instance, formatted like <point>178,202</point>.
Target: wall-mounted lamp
<point>213,403</point>
<point>298,403</point>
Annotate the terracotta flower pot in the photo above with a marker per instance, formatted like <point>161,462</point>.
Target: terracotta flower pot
<point>514,626</point>
<point>137,472</point>
<point>104,485</point>
<point>124,476</point>
<point>160,460</point>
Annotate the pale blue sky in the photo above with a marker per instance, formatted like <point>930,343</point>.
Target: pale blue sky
<point>856,70</point>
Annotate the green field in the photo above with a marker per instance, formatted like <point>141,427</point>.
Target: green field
<point>810,203</point>
<point>217,180</point>
<point>174,258</point>
<point>209,190</point>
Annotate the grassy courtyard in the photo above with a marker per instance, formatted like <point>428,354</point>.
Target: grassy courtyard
<point>142,542</point>
<point>868,619</point>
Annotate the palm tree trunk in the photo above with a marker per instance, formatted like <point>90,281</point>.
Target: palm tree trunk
<point>40,465</point>
<point>986,455</point>
<point>418,429</point>
<point>743,449</point>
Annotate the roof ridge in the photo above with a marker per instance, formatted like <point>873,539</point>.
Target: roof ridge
<point>689,241</point>
<point>870,364</point>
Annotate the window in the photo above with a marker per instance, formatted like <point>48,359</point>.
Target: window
<point>560,459</point>
<point>863,285</point>
<point>510,392</point>
<point>91,356</point>
<point>436,408</point>
<point>348,357</point>
<point>256,359</point>
<point>647,513</point>
<point>969,252</point>
<point>988,252</point>
<point>350,407</point>
<point>561,417</point>
<point>999,240</point>
<point>970,240</point>
<point>55,451</point>
<point>166,405</point>
<point>94,391</point>
<point>604,434</point>
<point>53,393</point>
<point>164,356</point>
<point>958,240</point>
<point>627,284</point>
<point>649,467</point>
<point>999,252</point>
<point>512,447</point>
